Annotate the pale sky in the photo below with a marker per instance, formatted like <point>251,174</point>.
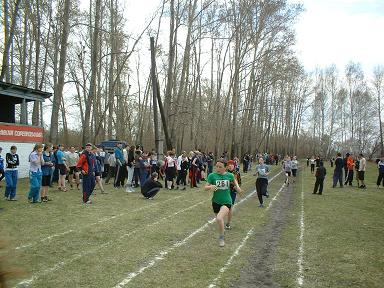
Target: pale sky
<point>339,31</point>
<point>328,31</point>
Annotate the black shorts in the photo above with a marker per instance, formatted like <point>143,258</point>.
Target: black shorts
<point>72,170</point>
<point>170,173</point>
<point>62,169</point>
<point>288,173</point>
<point>361,175</point>
<point>294,172</point>
<point>216,207</point>
<point>46,180</point>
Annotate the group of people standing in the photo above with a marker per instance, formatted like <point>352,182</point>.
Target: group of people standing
<point>347,169</point>
<point>48,162</point>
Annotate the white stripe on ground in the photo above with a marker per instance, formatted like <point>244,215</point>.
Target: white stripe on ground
<point>57,266</point>
<point>300,277</point>
<point>162,254</point>
<point>48,238</point>
<point>105,219</point>
<point>243,242</point>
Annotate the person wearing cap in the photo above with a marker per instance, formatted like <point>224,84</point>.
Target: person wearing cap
<point>1,165</point>
<point>231,169</point>
<point>87,166</point>
<point>151,187</point>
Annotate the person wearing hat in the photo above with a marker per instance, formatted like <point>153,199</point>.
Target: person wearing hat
<point>231,169</point>
<point>87,166</point>
<point>1,165</point>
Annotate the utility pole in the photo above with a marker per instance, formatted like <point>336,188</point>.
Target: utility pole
<point>158,141</point>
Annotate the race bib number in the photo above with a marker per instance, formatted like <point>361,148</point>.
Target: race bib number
<point>222,184</point>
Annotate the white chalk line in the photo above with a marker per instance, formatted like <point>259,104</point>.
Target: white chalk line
<point>48,238</point>
<point>98,248</point>
<point>105,219</point>
<point>300,260</point>
<point>243,242</point>
<point>162,254</point>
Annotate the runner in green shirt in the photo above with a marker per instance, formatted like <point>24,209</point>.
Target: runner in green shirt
<point>219,182</point>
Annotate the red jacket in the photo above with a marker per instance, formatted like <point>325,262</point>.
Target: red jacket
<point>82,164</point>
<point>350,163</point>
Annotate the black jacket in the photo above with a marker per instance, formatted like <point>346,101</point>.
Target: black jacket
<point>339,164</point>
<point>12,160</point>
<point>149,185</point>
<point>321,172</point>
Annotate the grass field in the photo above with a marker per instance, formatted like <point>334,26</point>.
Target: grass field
<point>123,240</point>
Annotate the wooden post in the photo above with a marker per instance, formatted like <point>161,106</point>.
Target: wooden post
<point>158,141</point>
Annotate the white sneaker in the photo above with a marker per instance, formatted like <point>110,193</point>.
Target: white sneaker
<point>221,242</point>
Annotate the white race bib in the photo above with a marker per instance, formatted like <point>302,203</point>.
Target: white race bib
<point>222,184</point>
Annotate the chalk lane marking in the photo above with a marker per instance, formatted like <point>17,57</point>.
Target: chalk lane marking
<point>300,260</point>
<point>162,254</point>
<point>57,266</point>
<point>243,242</point>
<point>48,238</point>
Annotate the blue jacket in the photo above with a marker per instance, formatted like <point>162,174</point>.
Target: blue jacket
<point>1,163</point>
<point>119,156</point>
<point>46,168</point>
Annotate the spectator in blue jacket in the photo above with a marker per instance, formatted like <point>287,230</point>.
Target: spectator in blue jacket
<point>120,166</point>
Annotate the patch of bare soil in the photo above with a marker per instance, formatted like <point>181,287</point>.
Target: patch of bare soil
<point>258,272</point>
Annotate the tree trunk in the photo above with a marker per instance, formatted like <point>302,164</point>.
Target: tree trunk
<point>58,94</point>
<point>92,86</point>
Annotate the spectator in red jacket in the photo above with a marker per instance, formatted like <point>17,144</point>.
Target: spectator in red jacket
<point>87,166</point>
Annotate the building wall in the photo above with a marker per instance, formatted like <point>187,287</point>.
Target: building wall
<point>23,149</point>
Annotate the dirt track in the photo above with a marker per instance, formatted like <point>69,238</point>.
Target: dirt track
<point>258,272</point>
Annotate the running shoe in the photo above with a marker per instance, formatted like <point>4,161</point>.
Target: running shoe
<point>221,241</point>
<point>261,206</point>
<point>227,226</point>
